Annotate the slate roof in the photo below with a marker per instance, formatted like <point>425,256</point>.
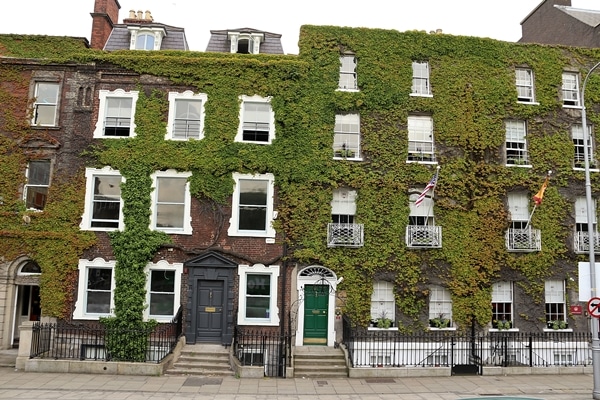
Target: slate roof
<point>219,41</point>
<point>588,17</point>
<point>174,38</point>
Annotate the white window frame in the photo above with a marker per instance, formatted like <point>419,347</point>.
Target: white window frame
<point>555,293</point>
<point>518,207</point>
<point>273,272</point>
<point>188,95</point>
<point>383,301</point>
<point>440,303</point>
<point>420,127</point>
<point>581,215</point>
<point>424,214</point>
<point>86,219</point>
<point>254,39</point>
<point>525,79</point>
<point>163,265</point>
<point>570,90</point>
<point>137,32</point>
<point>104,95</point>
<point>516,141</point>
<point>186,228</point>
<point>348,78</point>
<point>343,203</point>
<point>29,186</point>
<point>269,231</point>
<point>502,293</point>
<point>271,118</point>
<point>80,311</point>
<point>347,126</point>
<point>47,102</point>
<point>421,84</point>
<point>578,144</point>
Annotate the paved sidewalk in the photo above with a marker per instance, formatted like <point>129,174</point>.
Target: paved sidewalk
<point>32,385</point>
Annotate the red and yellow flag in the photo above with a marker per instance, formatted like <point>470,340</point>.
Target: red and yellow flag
<point>537,199</point>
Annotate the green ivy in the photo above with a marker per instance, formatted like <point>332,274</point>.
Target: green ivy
<point>473,94</point>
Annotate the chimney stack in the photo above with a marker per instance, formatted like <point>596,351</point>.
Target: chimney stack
<point>104,17</point>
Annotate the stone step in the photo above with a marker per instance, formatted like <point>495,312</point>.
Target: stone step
<point>197,372</point>
<point>202,359</point>
<point>319,362</point>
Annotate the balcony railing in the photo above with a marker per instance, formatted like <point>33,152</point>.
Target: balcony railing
<point>523,240</point>
<point>582,242</point>
<point>424,236</point>
<point>345,235</point>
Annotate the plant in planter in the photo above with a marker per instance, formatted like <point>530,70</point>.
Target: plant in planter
<point>383,321</point>
<point>557,324</point>
<point>439,322</point>
<point>501,324</point>
<point>344,153</point>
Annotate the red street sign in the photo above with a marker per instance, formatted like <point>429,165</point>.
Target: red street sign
<point>594,307</point>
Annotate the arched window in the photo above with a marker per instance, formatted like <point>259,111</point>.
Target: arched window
<point>30,268</point>
<point>144,41</point>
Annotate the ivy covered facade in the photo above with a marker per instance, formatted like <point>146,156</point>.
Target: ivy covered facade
<point>253,189</point>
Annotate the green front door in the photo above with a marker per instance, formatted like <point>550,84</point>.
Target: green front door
<point>316,302</point>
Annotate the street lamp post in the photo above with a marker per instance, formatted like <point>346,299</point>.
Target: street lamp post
<point>595,285</point>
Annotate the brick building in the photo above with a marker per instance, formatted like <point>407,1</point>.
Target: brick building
<point>384,176</point>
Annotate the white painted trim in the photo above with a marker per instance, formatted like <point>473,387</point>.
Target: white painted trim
<point>235,207</point>
<point>186,229</point>
<point>273,272</point>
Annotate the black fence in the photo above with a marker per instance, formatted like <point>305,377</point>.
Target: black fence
<point>264,349</point>
<point>389,348</point>
<point>67,340</point>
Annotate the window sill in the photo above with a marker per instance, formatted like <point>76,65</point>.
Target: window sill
<point>533,103</point>
<point>87,228</point>
<point>558,330</point>
<point>421,95</point>
<point>452,328</point>
<point>422,162</point>
<point>504,330</point>
<point>574,107</point>
<point>252,235</point>
<point>583,169</point>
<point>258,323</point>
<point>347,90</point>
<point>46,127</point>
<point>519,165</point>
<point>173,232</point>
<point>348,158</point>
<point>374,328</point>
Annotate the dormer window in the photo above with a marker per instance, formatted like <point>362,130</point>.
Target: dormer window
<point>245,43</point>
<point>145,38</point>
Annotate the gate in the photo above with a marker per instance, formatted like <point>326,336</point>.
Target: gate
<point>466,354</point>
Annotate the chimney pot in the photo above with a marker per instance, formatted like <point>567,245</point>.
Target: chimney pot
<point>140,15</point>
<point>149,16</point>
<point>131,14</point>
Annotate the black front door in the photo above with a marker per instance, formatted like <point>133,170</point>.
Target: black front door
<point>209,310</point>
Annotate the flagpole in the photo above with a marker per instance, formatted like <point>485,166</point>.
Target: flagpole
<point>530,215</point>
<point>437,176</point>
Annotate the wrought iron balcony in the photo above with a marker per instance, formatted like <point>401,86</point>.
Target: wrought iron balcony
<point>424,236</point>
<point>345,235</point>
<point>582,242</point>
<point>523,240</point>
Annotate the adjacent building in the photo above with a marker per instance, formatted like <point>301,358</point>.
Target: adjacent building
<point>557,22</point>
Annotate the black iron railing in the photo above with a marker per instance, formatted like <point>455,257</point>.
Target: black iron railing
<point>68,340</point>
<point>390,348</point>
<point>270,350</point>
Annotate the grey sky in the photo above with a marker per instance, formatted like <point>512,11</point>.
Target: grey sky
<point>485,18</point>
